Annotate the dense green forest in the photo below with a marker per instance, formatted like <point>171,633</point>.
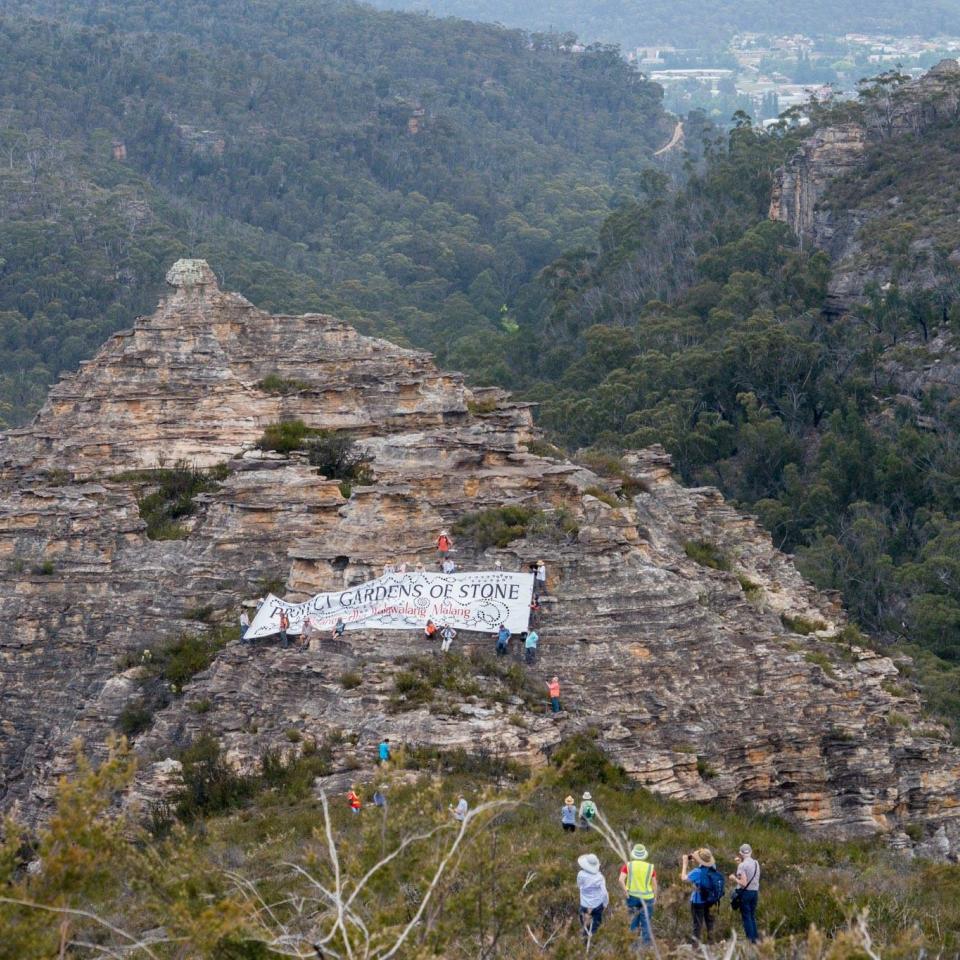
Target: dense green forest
<point>410,176</point>
<point>695,322</point>
<point>700,23</point>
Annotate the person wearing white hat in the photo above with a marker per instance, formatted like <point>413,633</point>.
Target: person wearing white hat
<point>747,891</point>
<point>444,545</point>
<point>639,881</point>
<point>593,894</point>
<point>588,810</point>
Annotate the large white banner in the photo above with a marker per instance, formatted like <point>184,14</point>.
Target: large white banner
<point>478,601</point>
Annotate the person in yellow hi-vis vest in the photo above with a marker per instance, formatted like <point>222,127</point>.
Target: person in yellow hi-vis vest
<point>639,881</point>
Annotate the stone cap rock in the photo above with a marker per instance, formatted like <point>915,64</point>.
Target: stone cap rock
<point>945,67</point>
<point>185,274</point>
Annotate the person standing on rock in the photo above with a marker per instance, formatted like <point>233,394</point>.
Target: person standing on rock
<point>639,881</point>
<point>553,688</point>
<point>383,751</point>
<point>503,640</point>
<point>541,579</point>
<point>747,891</point>
<point>535,609</point>
<point>593,894</point>
<point>244,625</point>
<point>448,566</point>
<point>354,801</point>
<point>588,810</point>
<point>530,647</point>
<point>448,634</point>
<point>444,545</point>
<point>568,815</point>
<point>707,890</point>
<point>284,627</point>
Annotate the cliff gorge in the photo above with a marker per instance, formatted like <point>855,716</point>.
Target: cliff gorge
<point>729,681</point>
<point>875,190</point>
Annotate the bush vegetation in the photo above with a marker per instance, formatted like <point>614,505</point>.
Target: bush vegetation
<point>166,495</point>
<point>707,554</point>
<point>336,456</point>
<point>251,830</point>
<point>282,386</point>
<point>286,436</point>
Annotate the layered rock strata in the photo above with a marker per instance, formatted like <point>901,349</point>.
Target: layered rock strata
<point>800,190</point>
<point>686,674</point>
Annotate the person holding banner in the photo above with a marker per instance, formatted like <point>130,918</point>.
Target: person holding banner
<point>338,629</point>
<point>448,634</point>
<point>284,627</point>
<point>503,640</point>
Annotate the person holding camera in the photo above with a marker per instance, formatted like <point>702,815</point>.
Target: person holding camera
<point>747,892</point>
<point>707,883</point>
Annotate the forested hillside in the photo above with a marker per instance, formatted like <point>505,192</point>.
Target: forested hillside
<point>410,176</point>
<point>699,23</point>
<point>695,322</point>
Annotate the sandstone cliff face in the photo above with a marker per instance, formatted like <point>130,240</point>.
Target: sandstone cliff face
<point>693,684</point>
<point>841,151</point>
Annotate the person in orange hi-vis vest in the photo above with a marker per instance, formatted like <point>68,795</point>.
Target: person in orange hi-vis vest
<point>354,801</point>
<point>553,687</point>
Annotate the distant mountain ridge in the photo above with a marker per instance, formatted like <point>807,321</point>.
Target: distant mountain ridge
<point>412,176</point>
<point>699,23</point>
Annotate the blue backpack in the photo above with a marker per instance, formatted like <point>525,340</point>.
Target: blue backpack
<point>711,887</point>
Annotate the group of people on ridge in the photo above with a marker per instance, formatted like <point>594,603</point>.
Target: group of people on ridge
<point>638,881</point>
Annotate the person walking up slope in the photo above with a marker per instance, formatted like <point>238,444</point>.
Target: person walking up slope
<point>568,815</point>
<point>639,881</point>
<point>593,894</point>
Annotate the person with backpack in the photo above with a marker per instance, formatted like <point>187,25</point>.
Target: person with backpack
<point>747,890</point>
<point>593,894</point>
<point>588,810</point>
<point>639,881</point>
<point>707,883</point>
<point>568,815</point>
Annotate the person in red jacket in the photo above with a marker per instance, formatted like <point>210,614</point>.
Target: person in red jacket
<point>354,801</point>
<point>444,545</point>
<point>284,627</point>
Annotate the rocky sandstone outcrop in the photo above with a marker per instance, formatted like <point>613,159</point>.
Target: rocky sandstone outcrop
<point>839,151</point>
<point>686,674</point>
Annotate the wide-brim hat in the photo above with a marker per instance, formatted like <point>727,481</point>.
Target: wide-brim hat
<point>639,852</point>
<point>589,862</point>
<point>746,850</point>
<point>586,795</point>
<point>704,857</point>
<point>568,800</point>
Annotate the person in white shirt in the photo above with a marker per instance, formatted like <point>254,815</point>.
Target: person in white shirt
<point>244,625</point>
<point>448,634</point>
<point>593,894</point>
<point>460,810</point>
